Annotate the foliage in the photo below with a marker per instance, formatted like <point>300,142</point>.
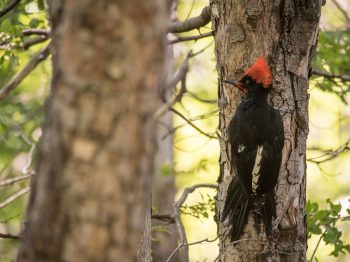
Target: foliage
<point>324,222</point>
<point>201,209</point>
<point>21,112</point>
<point>28,14</point>
<point>333,56</point>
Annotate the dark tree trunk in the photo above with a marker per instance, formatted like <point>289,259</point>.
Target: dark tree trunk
<point>91,197</point>
<point>285,32</point>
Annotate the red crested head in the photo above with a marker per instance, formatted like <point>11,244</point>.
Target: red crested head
<point>260,73</point>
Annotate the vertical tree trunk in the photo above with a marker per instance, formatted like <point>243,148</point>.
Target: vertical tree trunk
<point>164,235</point>
<point>285,32</point>
<point>91,197</point>
<point>163,193</point>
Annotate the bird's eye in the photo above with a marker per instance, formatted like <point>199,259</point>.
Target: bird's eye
<point>247,81</point>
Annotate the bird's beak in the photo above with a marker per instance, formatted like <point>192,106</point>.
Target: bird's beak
<point>237,84</point>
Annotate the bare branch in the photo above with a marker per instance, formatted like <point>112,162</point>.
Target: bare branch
<point>10,236</point>
<point>26,170</point>
<point>317,245</point>
<point>344,12</point>
<point>36,31</point>
<point>11,5</point>
<point>34,41</point>
<point>180,227</point>
<point>190,38</point>
<point>164,217</point>
<point>329,154</point>
<point>328,75</point>
<point>10,181</point>
<point>17,79</point>
<point>203,100</point>
<point>193,125</point>
<point>202,50</point>
<point>192,23</point>
<point>14,197</point>
<point>189,190</point>
<point>190,244</point>
<point>180,76</point>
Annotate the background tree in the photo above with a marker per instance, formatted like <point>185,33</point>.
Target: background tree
<point>91,196</point>
<point>192,101</point>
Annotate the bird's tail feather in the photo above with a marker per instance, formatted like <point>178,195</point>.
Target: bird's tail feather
<point>268,209</point>
<point>237,207</point>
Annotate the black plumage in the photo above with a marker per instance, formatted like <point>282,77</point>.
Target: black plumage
<point>256,137</point>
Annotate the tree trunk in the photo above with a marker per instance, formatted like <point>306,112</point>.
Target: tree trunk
<point>285,32</point>
<point>165,237</point>
<point>91,197</point>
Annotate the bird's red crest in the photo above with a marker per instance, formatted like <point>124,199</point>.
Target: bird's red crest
<point>260,73</point>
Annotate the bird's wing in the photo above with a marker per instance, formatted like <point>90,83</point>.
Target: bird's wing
<point>271,157</point>
<point>243,151</point>
<point>238,199</point>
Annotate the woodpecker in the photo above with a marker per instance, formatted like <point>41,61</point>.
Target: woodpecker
<point>256,136</point>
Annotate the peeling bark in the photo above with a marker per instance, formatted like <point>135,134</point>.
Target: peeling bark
<point>91,198</point>
<point>285,32</point>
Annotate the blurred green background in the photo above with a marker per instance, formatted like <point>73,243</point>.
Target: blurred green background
<point>196,156</point>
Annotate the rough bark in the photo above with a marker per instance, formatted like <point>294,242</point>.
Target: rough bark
<point>285,32</point>
<point>91,198</point>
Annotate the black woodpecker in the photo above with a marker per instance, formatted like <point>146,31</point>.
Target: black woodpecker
<point>256,136</point>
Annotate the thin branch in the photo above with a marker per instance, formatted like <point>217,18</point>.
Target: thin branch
<point>192,23</point>
<point>14,197</point>
<point>36,31</point>
<point>343,11</point>
<point>11,5</point>
<point>164,217</point>
<point>189,190</point>
<point>203,100</point>
<point>189,244</point>
<point>26,170</point>
<point>34,41</point>
<point>180,76</point>
<point>329,154</point>
<point>17,79</point>
<point>182,233</point>
<point>317,245</point>
<point>11,181</point>
<point>190,38</point>
<point>180,227</point>
<point>202,50</point>
<point>191,124</point>
<point>190,11</point>
<point>328,75</point>
<point>10,236</point>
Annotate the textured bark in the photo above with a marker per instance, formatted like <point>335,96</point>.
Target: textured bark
<point>91,198</point>
<point>285,32</point>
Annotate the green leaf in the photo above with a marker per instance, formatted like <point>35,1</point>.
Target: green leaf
<point>7,27</point>
<point>331,235</point>
<point>311,207</point>
<point>34,23</point>
<point>41,4</point>
<point>314,229</point>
